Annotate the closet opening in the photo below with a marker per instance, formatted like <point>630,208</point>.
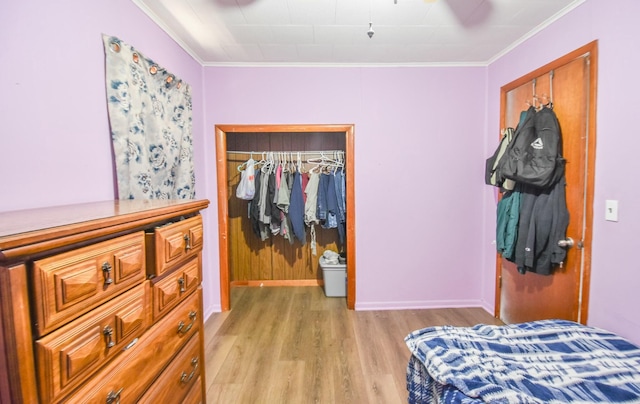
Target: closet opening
<point>245,258</point>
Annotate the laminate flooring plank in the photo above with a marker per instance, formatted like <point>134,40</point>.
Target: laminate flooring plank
<point>235,367</point>
<point>320,362</point>
<point>369,344</point>
<point>297,327</point>
<point>395,328</point>
<point>224,393</point>
<point>217,352</point>
<point>287,383</point>
<point>212,325</point>
<point>381,389</point>
<point>264,345</point>
<point>348,382</point>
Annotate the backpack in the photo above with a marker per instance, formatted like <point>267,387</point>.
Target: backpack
<point>491,176</point>
<point>534,156</point>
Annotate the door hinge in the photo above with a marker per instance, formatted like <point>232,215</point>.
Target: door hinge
<point>500,282</point>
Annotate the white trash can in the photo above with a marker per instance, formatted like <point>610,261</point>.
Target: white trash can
<point>335,278</point>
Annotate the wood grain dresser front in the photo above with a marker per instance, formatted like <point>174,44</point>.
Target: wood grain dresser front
<point>102,303</point>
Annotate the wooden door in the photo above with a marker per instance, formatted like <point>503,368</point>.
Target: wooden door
<point>569,83</point>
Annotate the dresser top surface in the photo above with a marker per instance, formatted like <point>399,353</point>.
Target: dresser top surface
<point>25,226</point>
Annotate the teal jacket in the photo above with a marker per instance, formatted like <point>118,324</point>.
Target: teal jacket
<point>507,228</point>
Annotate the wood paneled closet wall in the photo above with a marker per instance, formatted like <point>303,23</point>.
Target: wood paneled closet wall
<point>274,261</point>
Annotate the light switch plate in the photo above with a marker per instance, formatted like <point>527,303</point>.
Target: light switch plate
<point>611,213</point>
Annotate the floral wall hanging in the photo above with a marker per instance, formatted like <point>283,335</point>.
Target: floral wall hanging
<point>150,116</point>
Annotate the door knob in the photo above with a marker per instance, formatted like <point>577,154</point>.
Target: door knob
<point>568,243</point>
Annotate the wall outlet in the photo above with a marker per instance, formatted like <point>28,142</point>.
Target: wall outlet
<point>611,213</point>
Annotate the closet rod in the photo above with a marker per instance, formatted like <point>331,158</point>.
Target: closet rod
<point>285,151</point>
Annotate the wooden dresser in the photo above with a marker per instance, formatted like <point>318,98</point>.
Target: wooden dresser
<point>102,303</point>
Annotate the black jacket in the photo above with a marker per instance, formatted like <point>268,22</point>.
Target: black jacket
<point>543,222</point>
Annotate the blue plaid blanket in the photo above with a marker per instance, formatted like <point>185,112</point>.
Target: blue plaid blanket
<point>548,361</point>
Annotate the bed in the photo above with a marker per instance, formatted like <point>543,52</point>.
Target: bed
<point>547,361</point>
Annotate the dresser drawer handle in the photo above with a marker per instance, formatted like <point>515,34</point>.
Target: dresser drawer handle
<point>181,326</point>
<point>131,344</point>
<point>184,378</point>
<point>187,242</point>
<point>114,396</point>
<point>106,268</point>
<point>108,332</point>
<point>181,283</point>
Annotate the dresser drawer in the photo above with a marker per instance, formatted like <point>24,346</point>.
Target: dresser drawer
<point>170,290</point>
<point>72,353</point>
<point>176,380</point>
<point>70,284</point>
<point>173,243</point>
<point>194,396</point>
<point>125,379</point>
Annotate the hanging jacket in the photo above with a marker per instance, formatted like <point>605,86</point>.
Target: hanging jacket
<point>542,223</point>
<point>508,216</point>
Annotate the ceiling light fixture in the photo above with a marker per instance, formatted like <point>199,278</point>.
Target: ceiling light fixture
<point>370,32</point>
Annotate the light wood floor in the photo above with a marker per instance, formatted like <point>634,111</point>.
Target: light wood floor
<point>294,345</point>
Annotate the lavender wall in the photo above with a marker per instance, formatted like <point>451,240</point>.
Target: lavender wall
<point>54,139</point>
<point>55,135</point>
<point>418,141</point>
<point>615,278</point>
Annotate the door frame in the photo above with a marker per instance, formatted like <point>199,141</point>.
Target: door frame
<point>585,276</point>
<point>221,132</point>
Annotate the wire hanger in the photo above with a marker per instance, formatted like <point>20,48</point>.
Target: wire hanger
<point>547,101</point>
<point>243,166</point>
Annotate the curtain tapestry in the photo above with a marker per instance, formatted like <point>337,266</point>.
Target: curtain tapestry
<point>150,117</point>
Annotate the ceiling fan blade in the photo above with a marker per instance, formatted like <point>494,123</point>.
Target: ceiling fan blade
<point>426,1</point>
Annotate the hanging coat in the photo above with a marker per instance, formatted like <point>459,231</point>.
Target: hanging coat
<point>508,215</point>
<point>543,222</point>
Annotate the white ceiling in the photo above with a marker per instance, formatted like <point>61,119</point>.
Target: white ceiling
<point>334,32</point>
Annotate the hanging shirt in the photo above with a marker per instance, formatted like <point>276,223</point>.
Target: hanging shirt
<point>264,218</point>
<point>256,208</point>
<point>311,203</point>
<point>254,205</point>
<point>327,202</point>
<point>282,201</point>
<point>296,209</point>
<point>274,212</point>
<point>305,181</point>
<point>341,203</point>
